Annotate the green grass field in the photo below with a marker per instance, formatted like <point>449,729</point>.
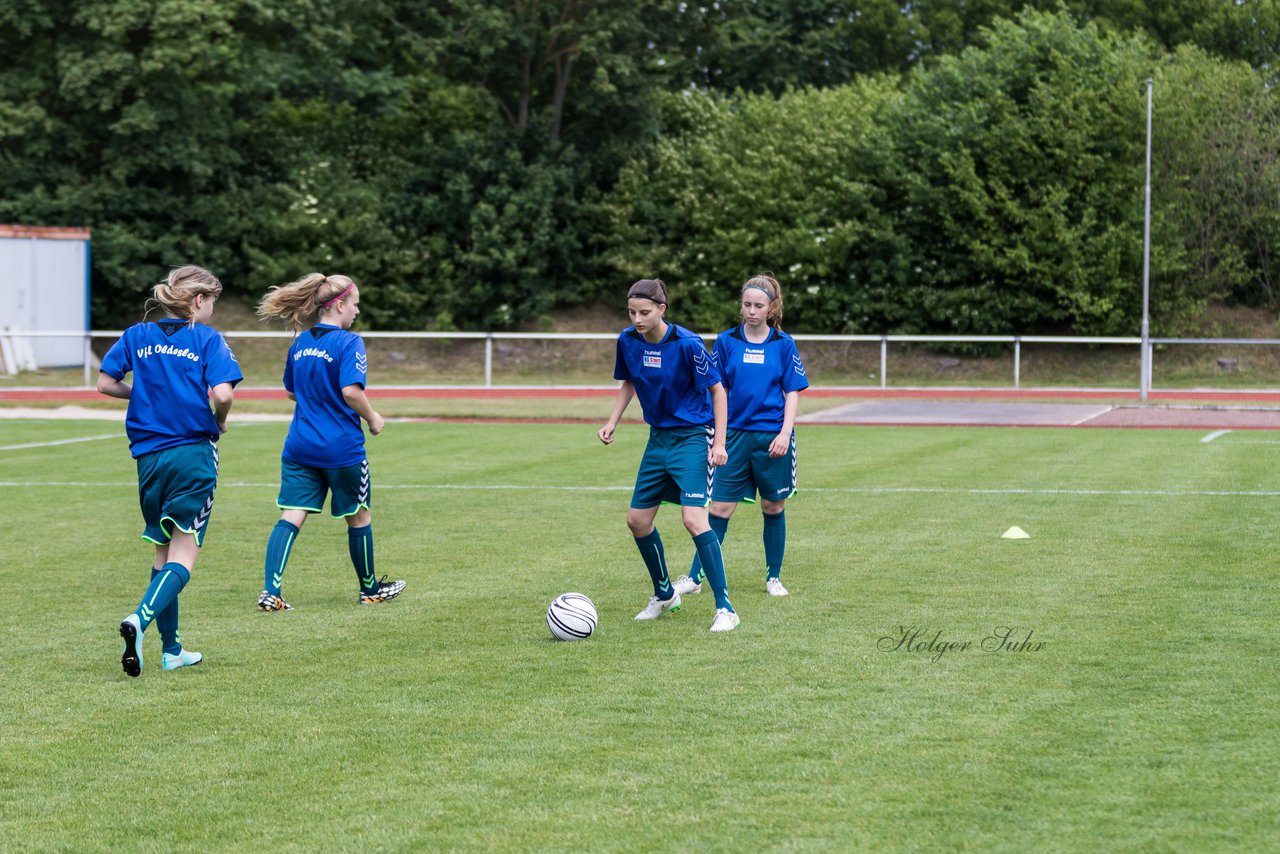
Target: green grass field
<point>448,719</point>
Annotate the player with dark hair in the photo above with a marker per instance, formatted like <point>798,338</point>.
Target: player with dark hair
<point>764,375</point>
<point>669,369</point>
<point>176,362</point>
<point>324,373</point>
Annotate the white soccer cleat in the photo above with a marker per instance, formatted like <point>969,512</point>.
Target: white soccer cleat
<point>773,586</point>
<point>657,607</point>
<point>186,658</point>
<point>685,586</point>
<point>725,621</point>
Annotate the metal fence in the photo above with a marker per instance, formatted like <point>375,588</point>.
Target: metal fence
<point>10,342</point>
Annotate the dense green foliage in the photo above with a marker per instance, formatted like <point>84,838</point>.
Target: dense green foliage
<point>943,167</point>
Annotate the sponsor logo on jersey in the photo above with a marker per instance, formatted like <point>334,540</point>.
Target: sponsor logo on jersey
<point>653,358</point>
<point>752,357</point>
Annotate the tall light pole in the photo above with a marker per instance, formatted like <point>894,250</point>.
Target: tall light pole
<point>1144,383</point>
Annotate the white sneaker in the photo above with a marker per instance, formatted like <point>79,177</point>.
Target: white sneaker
<point>773,586</point>
<point>657,607</point>
<point>686,585</point>
<point>725,621</point>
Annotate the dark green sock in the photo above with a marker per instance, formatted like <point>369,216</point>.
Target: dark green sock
<point>775,542</point>
<point>655,560</point>
<point>719,524</point>
<point>279,544</point>
<point>163,591</point>
<point>167,623</point>
<point>360,545</point>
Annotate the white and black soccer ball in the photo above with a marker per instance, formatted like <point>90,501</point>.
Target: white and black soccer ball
<point>571,616</point>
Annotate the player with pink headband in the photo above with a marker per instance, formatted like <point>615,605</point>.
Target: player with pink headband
<point>325,374</point>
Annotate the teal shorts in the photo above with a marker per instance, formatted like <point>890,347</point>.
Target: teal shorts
<point>175,491</point>
<point>304,488</point>
<point>750,469</point>
<point>675,468</point>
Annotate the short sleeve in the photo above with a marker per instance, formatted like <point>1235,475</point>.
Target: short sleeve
<point>354,369</point>
<point>620,370</point>
<point>705,372</point>
<point>793,375</point>
<point>119,359</point>
<point>720,358</point>
<point>220,362</point>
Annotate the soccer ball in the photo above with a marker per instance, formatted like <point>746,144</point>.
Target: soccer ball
<point>571,616</point>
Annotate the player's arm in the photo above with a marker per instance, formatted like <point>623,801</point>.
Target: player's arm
<point>356,398</point>
<point>720,411</point>
<point>112,387</point>
<point>224,394</point>
<point>626,391</point>
<point>782,442</point>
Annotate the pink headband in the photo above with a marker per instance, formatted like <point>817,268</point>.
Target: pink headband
<point>338,297</point>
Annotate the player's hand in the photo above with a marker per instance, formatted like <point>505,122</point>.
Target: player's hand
<point>718,456</point>
<point>605,433</point>
<point>376,423</point>
<point>780,445</point>
<point>222,427</point>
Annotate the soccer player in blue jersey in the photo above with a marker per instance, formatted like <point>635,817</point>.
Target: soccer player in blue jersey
<point>764,375</point>
<point>176,362</point>
<point>669,369</point>
<point>324,374</point>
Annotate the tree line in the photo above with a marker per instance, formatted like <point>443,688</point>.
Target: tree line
<point>949,167</point>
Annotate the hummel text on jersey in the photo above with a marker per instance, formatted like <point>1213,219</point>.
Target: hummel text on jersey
<point>312,351</point>
<point>167,350</point>
<point>653,358</point>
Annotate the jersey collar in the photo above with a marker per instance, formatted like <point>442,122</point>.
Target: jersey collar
<point>742,336</point>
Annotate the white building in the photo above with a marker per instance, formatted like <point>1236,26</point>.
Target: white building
<point>44,287</point>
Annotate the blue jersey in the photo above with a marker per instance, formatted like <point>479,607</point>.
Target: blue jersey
<point>671,377</point>
<point>325,432</point>
<point>758,377</point>
<point>174,364</point>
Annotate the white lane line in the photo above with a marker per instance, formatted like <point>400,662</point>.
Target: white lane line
<point>1215,434</point>
<point>61,442</point>
<point>856,490</point>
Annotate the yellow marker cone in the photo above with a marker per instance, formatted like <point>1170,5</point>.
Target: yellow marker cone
<point>1015,533</point>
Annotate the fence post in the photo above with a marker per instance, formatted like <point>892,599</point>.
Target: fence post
<point>1017,360</point>
<point>884,360</point>
<point>488,359</point>
<point>87,339</point>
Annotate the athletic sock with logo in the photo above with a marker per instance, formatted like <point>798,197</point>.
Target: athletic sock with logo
<point>709,553</point>
<point>719,524</point>
<point>655,560</point>
<point>162,592</point>
<point>279,544</point>
<point>775,541</point>
<point>167,623</point>
<point>360,545</point>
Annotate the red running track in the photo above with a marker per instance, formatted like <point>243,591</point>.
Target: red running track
<point>73,395</point>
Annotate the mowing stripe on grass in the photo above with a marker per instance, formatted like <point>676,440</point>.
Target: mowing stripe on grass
<point>61,442</point>
<point>847,490</point>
